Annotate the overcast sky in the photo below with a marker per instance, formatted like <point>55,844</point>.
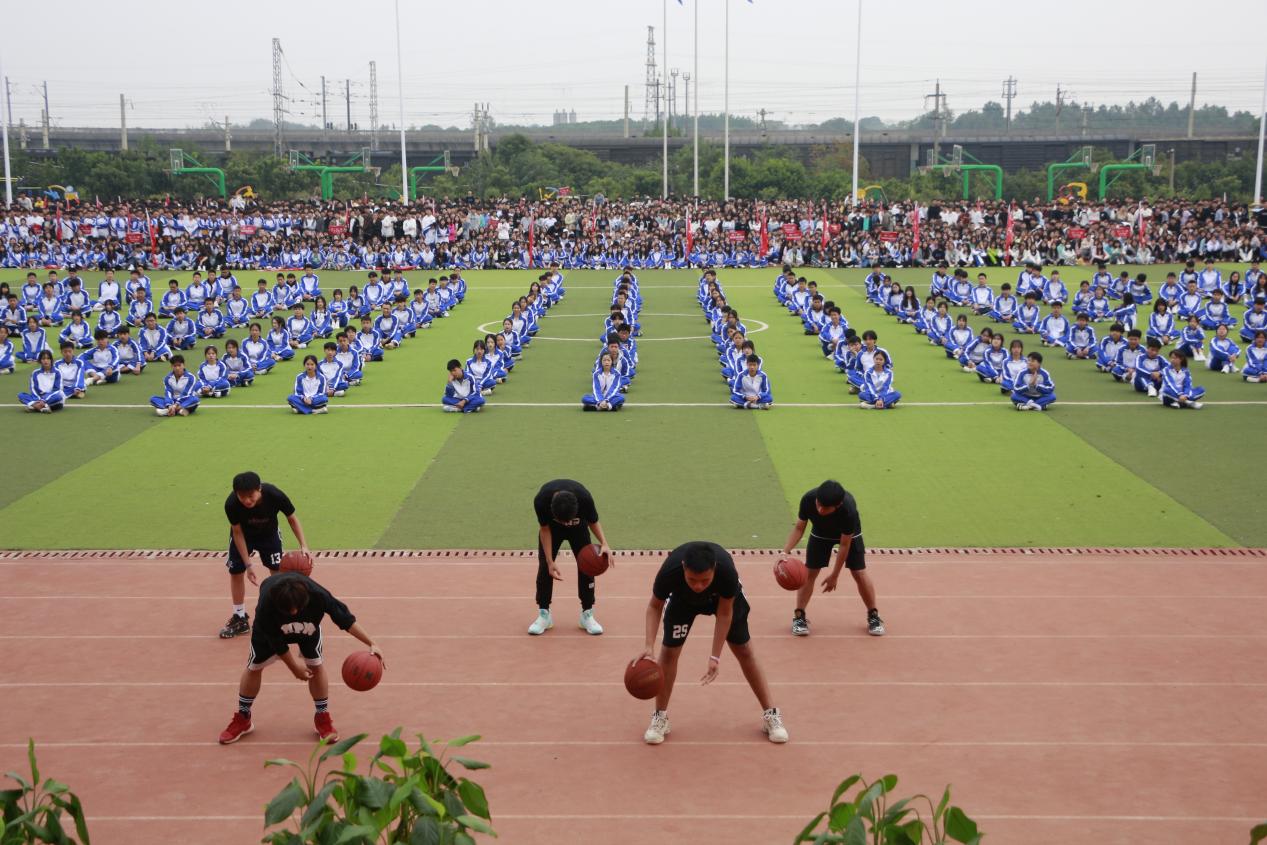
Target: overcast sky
<point>180,64</point>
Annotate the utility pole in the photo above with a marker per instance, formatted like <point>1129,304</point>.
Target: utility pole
<point>1172,170</point>
<point>325,121</point>
<point>686,96</point>
<point>8,174</point>
<point>373,105</point>
<point>626,111</point>
<point>1192,104</point>
<point>228,139</point>
<point>1086,113</point>
<point>651,97</point>
<point>347,96</point>
<point>1009,93</point>
<point>761,113</point>
<point>123,124</point>
<point>938,121</point>
<point>46,117</point>
<point>673,93</point>
<point>278,108</point>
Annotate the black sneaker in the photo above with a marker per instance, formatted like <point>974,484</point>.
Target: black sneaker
<point>236,625</point>
<point>800,625</point>
<point>875,625</point>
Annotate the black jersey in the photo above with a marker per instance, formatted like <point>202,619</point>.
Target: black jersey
<point>670,581</point>
<point>585,508</point>
<point>843,520</point>
<point>259,522</point>
<point>272,630</point>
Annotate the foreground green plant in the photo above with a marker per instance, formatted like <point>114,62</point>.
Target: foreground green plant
<point>1258,834</point>
<point>33,813</point>
<point>403,797</point>
<point>869,819</point>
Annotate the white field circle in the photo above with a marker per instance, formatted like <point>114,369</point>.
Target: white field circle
<point>494,326</point>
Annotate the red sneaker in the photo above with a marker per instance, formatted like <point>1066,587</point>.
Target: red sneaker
<point>325,727</point>
<point>239,727</point>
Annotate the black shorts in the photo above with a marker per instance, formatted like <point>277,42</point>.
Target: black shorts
<point>679,617</point>
<point>270,551</point>
<point>309,648</point>
<point>818,553</point>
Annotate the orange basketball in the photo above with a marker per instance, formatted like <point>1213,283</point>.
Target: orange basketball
<point>643,678</point>
<point>362,670</point>
<point>790,573</point>
<point>591,562</point>
<point>297,561</point>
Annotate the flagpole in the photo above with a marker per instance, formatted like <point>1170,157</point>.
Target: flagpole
<point>695,105</point>
<point>8,179</point>
<point>857,89</point>
<point>1258,171</point>
<point>400,96</point>
<point>726,113</point>
<point>664,45</point>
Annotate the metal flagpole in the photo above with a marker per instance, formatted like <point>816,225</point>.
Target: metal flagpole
<point>695,105</point>
<point>664,115</point>
<point>400,98</point>
<point>1258,171</point>
<point>726,113</point>
<point>857,88</point>
<point>8,178</point>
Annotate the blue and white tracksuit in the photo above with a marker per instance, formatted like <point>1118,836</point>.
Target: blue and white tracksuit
<point>181,391</point>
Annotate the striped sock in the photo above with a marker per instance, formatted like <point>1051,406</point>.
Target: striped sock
<point>322,704</point>
<point>244,704</point>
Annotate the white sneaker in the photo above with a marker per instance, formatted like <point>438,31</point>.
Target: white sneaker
<point>1034,406</point>
<point>322,410</point>
<point>159,412</point>
<point>1227,368</point>
<point>967,369</point>
<point>1152,391</point>
<point>340,393</point>
<point>589,623</point>
<point>658,729</point>
<point>541,624</point>
<point>1196,406</point>
<point>773,725</point>
<point>866,405</point>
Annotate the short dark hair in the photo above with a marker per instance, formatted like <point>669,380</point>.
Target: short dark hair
<point>830,493</point>
<point>563,505</point>
<point>453,362</point>
<point>246,482</point>
<point>699,558</point>
<point>1036,357</point>
<point>290,596</point>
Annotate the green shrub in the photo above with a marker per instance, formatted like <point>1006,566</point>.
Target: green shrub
<point>34,812</point>
<point>869,818</point>
<point>402,797</point>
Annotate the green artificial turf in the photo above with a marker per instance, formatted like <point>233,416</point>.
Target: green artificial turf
<point>969,473</point>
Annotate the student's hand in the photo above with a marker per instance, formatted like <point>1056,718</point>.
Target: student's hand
<point>307,400</point>
<point>648,653</point>
<point>301,672</point>
<point>250,575</point>
<point>377,652</point>
<point>829,583</point>
<point>554,572</point>
<point>604,549</point>
<point>714,667</point>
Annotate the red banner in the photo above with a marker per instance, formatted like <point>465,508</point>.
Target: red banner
<point>915,245</point>
<point>1077,233</point>
<point>737,236</point>
<point>794,235</point>
<point>247,230</point>
<point>1143,229</point>
<point>1011,224</point>
<point>824,226</point>
<point>532,226</point>
<point>888,237</point>
<point>85,228</point>
<point>336,230</point>
<point>765,235</point>
<point>1122,231</point>
<point>791,230</point>
<point>688,233</point>
<point>134,237</point>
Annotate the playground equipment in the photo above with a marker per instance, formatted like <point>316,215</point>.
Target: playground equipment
<point>879,189</point>
<point>430,167</point>
<point>1145,158</point>
<point>299,161</point>
<point>1071,191</point>
<point>246,192</point>
<point>1080,159</point>
<point>183,163</point>
<point>955,163</point>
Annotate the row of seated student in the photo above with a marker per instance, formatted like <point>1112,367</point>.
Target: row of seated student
<point>617,363</point>
<point>742,368</point>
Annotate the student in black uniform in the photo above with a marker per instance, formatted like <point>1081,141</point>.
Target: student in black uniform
<point>252,509</point>
<point>565,511</point>
<point>832,514</point>
<point>290,610</point>
<point>701,578</point>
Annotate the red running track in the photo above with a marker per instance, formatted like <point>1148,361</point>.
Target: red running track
<point>1100,697</point>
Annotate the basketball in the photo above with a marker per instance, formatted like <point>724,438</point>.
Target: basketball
<point>362,670</point>
<point>591,562</point>
<point>790,573</point>
<point>643,678</point>
<point>297,561</point>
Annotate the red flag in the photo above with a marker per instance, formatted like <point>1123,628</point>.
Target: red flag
<point>1143,225</point>
<point>824,225</point>
<point>915,244</point>
<point>532,225</point>
<point>594,220</point>
<point>765,236</point>
<point>688,234</point>
<point>150,225</point>
<point>59,223</point>
<point>1007,243</point>
<point>98,199</point>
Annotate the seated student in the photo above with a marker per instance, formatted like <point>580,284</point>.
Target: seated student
<point>331,370</point>
<point>1216,313</point>
<point>322,321</point>
<point>1003,309</point>
<point>8,360</point>
<point>396,284</point>
<point>1161,325</point>
<point>300,328</point>
<point>519,323</point>
<point>257,351</point>
<point>621,365</point>
<point>1139,290</point>
<point>213,375</point>
<point>1015,366</point>
<point>799,296</point>
<point>974,352</point>
<point>131,358</point>
<point>223,284</point>
<point>101,362</point>
<point>1102,278</point>
<point>1148,368</point>
<point>238,369</point>
<point>605,392</point>
<point>1082,299</point>
<point>981,297</point>
<point>959,338</point>
<point>908,308</point>
<point>1170,291</point>
<point>153,340</point>
<point>1080,342</point>
<point>349,358</point>
<point>45,394</point>
<point>1255,370</point>
<point>180,392</point>
<point>309,285</point>
<point>109,291</point>
<point>1099,307</point>
<point>1191,301</point>
<point>358,307</point>
<point>833,332</point>
<point>865,358</point>
<point>182,333</point>
<point>286,291</point>
<point>279,341</point>
<point>751,388</point>
<point>339,310</point>
<point>404,317</point>
<point>237,310</point>
<point>1054,328</point>
<point>1255,320</point>
<point>198,291</point>
<point>816,317</point>
<point>309,396</point>
<point>891,300</point>
<point>513,342</point>
<point>1054,289</point>
<point>14,317</point>
<point>419,311</point>
<point>1191,340</point>
<point>71,369</point>
<point>368,342</point>
<point>877,391</point>
<point>732,359</point>
<point>110,320</point>
<point>1027,316</point>
<point>388,327</point>
<point>1223,352</point>
<point>1209,279</point>
<point>77,331</point>
<point>958,292</point>
<point>495,359</point>
<point>1108,347</point>
<point>990,368</point>
<point>75,299</point>
<point>1234,289</point>
<point>262,302</point>
<point>50,307</point>
<point>30,292</point>
<point>34,341</point>
<point>435,305</point>
<point>502,348</point>
<point>1128,357</point>
<point>1120,286</point>
<point>447,300</point>
<point>480,369</point>
<point>1177,389</point>
<point>628,346</point>
<point>460,393</point>
<point>1034,389</point>
<point>174,298</point>
<point>138,308</point>
<point>936,286</point>
<point>1125,313</point>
